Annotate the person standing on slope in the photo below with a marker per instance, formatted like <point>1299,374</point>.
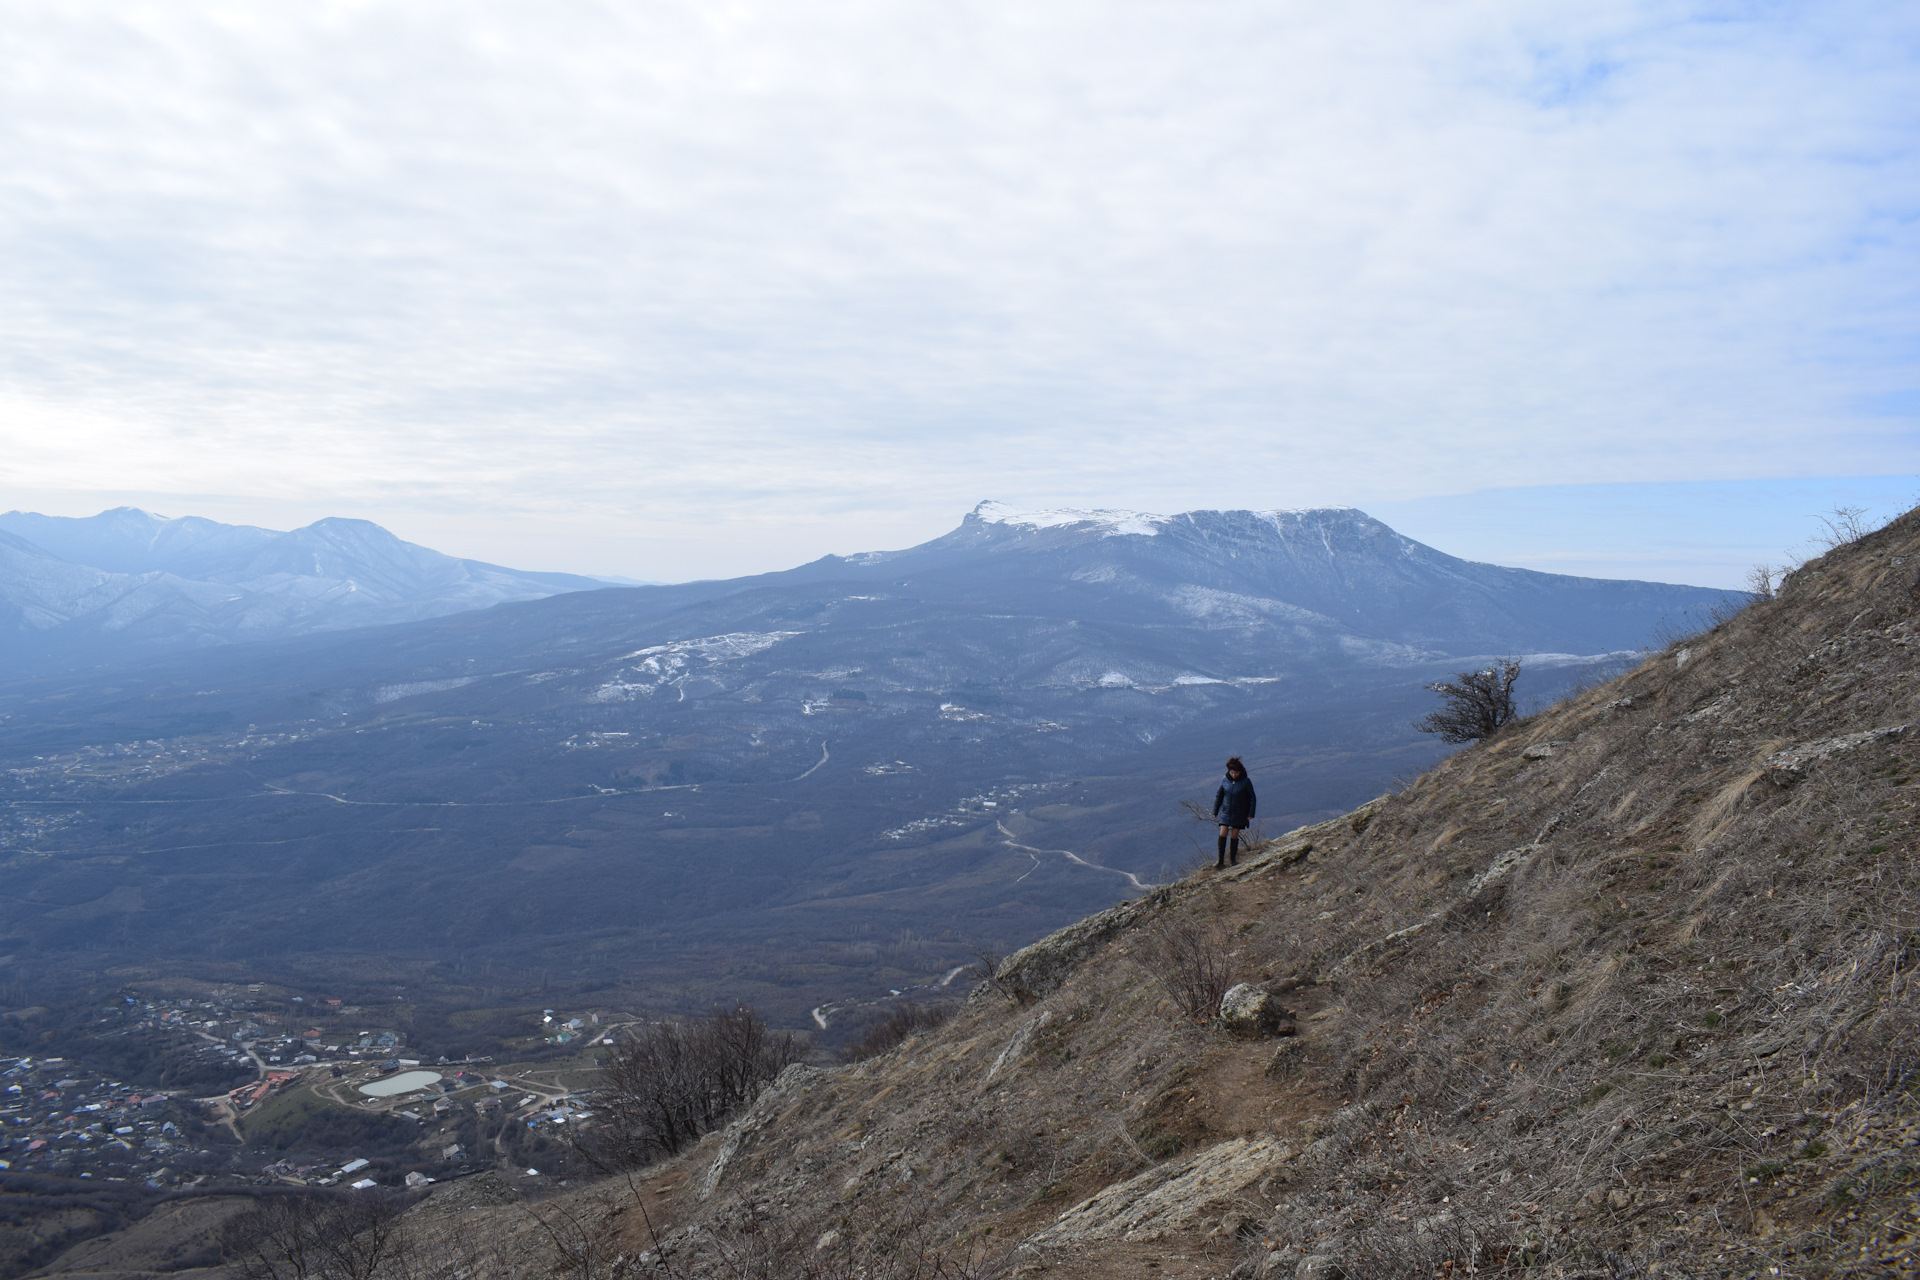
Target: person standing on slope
<point>1233,806</point>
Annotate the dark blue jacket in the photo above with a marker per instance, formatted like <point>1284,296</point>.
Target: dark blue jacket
<point>1233,803</point>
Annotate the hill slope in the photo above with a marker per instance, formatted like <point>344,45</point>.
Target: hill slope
<point>1627,990</point>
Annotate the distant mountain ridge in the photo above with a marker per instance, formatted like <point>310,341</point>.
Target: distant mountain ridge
<point>737,777</point>
<point>126,583</point>
<point>1334,570</point>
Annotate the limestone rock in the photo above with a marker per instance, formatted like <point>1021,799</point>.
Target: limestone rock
<point>774,1099</point>
<point>1016,1047</point>
<point>1171,1197</point>
<point>1250,1012</point>
<point>1784,768</point>
<point>1041,968</point>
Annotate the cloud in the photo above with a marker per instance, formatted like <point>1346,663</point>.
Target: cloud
<point>639,267</point>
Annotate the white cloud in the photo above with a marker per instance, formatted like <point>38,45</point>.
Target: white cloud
<point>623,271</point>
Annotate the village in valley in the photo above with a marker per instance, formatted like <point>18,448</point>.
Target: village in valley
<point>304,1091</point>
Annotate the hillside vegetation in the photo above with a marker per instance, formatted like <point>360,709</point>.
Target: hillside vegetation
<point>1624,991</point>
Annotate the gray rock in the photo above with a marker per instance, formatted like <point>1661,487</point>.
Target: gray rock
<point>1316,1266</point>
<point>1784,768</point>
<point>773,1100</point>
<point>1287,1059</point>
<point>1167,1198</point>
<point>1250,1012</point>
<point>1043,967</point>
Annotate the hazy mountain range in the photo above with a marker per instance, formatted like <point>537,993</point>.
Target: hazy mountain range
<point>125,582</point>
<point>756,784</point>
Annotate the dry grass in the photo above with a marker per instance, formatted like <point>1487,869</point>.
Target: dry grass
<point>1677,1027</point>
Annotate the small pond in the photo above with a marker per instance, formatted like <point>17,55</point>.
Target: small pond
<point>405,1082</point>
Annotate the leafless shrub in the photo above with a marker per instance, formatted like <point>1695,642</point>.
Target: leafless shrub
<point>1474,704</point>
<point>1189,959</point>
<point>667,1083</point>
<point>1455,1245</point>
<point>341,1237</point>
<point>986,968</point>
<point>756,1246</point>
<point>452,1251</point>
<point>907,1018</point>
<point>1763,580</point>
<point>1843,525</point>
<point>583,1245</point>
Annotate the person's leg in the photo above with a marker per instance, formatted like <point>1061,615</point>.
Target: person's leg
<point>1220,854</point>
<point>1233,848</point>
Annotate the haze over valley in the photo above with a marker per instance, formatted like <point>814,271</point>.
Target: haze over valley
<point>807,789</point>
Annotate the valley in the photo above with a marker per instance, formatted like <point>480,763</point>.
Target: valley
<point>812,788</point>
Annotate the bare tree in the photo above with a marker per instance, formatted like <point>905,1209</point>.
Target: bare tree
<point>907,1018</point>
<point>312,1238</point>
<point>1763,580</point>
<point>986,968</point>
<point>1474,704</point>
<point>667,1083</point>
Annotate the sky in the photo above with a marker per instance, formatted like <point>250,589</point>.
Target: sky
<point>677,290</point>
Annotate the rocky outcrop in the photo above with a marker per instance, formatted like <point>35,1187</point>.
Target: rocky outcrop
<point>1016,1048</point>
<point>773,1100</point>
<point>1253,1013</point>
<point>1036,971</point>
<point>1171,1197</point>
<point>1786,767</point>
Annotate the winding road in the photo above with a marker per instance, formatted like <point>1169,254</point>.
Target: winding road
<point>1071,856</point>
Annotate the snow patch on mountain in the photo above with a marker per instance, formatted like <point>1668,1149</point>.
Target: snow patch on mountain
<point>1231,607</point>
<point>1111,524</point>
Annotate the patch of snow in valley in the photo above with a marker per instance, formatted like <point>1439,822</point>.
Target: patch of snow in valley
<point>735,644</point>
<point>673,663</point>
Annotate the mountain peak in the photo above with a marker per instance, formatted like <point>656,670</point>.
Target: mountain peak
<point>1112,523</point>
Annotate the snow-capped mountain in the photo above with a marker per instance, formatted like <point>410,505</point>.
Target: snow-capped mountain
<point>126,582</point>
<point>1330,575</point>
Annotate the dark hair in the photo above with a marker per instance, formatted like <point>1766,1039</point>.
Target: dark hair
<point>1234,765</point>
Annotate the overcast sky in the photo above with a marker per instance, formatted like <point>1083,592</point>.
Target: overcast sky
<point>676,290</point>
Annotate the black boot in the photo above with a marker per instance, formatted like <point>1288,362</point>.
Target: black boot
<point>1233,852</point>
<point>1220,858</point>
